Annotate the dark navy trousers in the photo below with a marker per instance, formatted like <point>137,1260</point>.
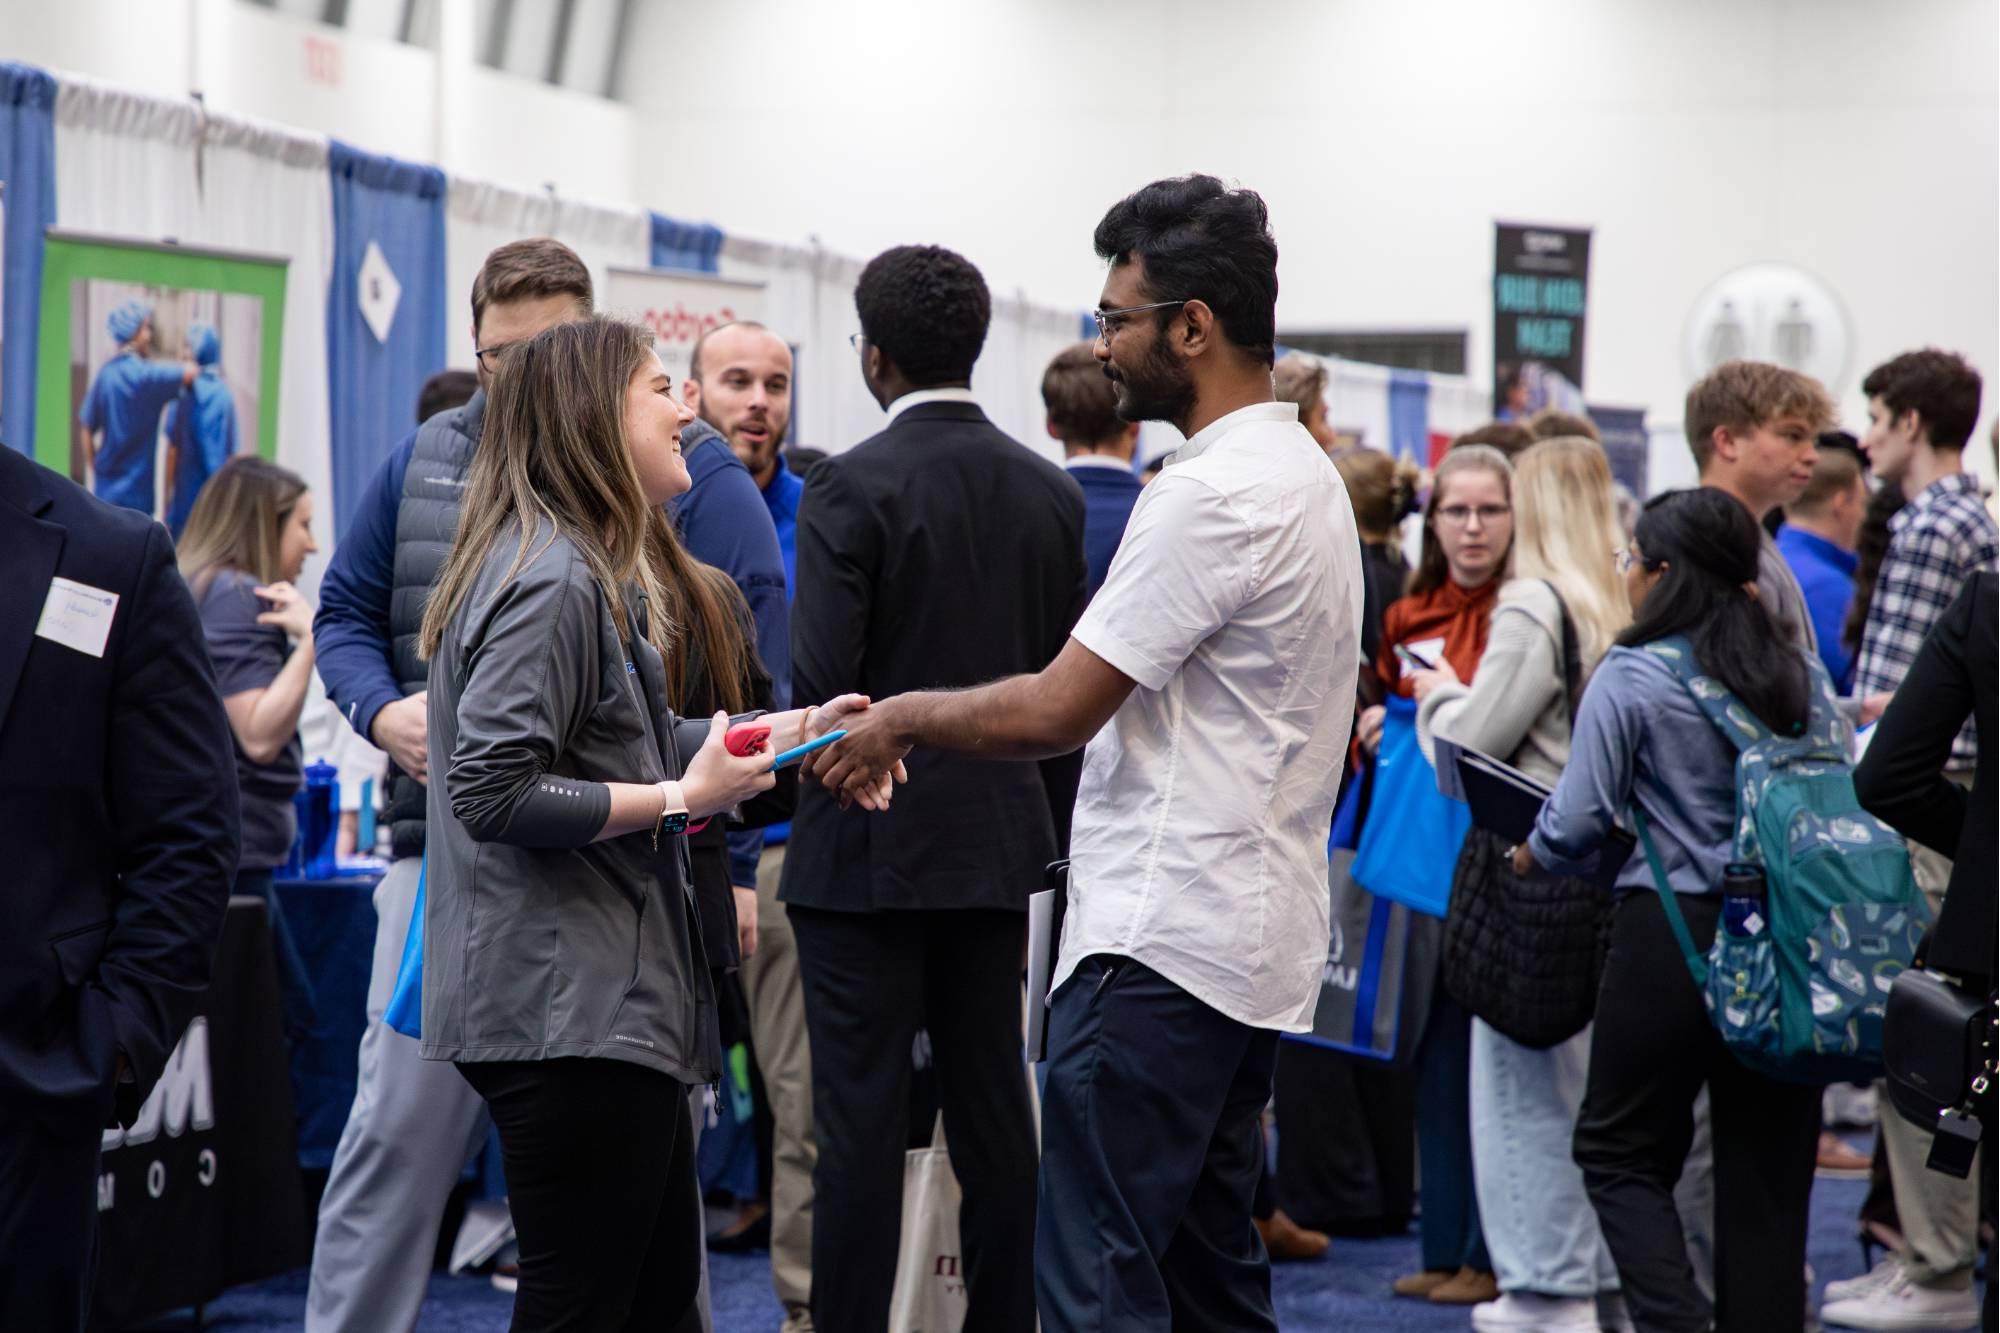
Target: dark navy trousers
<point>1152,1144</point>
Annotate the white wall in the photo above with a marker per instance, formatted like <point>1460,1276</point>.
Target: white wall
<point>1854,138</point>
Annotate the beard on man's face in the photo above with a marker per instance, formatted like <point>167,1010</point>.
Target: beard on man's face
<point>1158,388</point>
<point>752,453</point>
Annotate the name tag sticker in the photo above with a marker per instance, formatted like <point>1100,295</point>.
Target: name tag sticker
<point>77,616</point>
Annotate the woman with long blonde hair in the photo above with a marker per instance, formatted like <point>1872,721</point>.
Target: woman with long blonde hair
<point>1523,955</point>
<point>245,542</point>
<point>564,966</point>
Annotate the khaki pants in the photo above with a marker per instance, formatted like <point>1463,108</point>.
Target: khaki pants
<point>1940,1214</point>
<point>778,1030</point>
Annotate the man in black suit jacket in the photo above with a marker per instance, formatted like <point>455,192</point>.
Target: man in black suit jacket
<point>118,820</point>
<point>939,553</point>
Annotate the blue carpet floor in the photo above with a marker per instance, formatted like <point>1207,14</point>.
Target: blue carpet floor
<point>1346,1291</point>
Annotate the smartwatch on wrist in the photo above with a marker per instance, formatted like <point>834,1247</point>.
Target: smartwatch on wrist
<point>673,812</point>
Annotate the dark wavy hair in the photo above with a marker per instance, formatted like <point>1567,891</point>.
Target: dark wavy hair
<point>1708,544</point>
<point>926,309</point>
<point>1938,386</point>
<point>1202,241</point>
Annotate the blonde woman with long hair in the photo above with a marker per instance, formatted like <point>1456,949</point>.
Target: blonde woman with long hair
<point>246,540</point>
<point>1558,614</point>
<point>564,970</point>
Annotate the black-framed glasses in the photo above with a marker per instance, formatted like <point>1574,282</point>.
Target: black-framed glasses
<point>857,341</point>
<point>1107,320</point>
<point>1623,559</point>
<point>489,358</point>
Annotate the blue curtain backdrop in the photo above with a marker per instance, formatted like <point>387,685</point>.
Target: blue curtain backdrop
<point>28,170</point>
<point>372,383</point>
<point>689,245</point>
<point>1410,416</point>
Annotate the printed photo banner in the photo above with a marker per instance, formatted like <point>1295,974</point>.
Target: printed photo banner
<point>1541,280</point>
<point>156,363</point>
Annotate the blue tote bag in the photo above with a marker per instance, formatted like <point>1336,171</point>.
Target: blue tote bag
<point>405,1013</point>
<point>1412,836</point>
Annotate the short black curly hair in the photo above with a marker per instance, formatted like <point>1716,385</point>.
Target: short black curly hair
<point>1938,386</point>
<point>926,309</point>
<point>1202,241</point>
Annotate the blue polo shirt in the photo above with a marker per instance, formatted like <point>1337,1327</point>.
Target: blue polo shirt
<point>123,407</point>
<point>1826,576</point>
<point>781,497</point>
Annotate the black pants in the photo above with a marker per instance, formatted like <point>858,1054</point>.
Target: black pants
<point>1151,1147</point>
<point>601,1182</point>
<point>1651,1050</point>
<point>48,1219</point>
<point>1347,1142</point>
<point>871,980</point>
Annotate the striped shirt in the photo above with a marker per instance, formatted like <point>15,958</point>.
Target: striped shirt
<point>1937,541</point>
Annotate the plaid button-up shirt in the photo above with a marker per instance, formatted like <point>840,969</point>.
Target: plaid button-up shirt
<point>1936,542</point>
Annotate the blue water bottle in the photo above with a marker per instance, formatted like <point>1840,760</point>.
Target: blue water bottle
<point>1745,900</point>
<point>319,820</point>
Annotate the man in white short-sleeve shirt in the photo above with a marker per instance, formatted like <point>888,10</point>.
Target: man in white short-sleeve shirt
<point>1213,679</point>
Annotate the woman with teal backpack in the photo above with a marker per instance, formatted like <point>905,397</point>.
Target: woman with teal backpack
<point>1643,742</point>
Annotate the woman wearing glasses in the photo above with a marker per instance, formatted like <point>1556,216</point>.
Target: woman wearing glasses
<point>1529,960</point>
<point>1444,619</point>
<point>1643,742</point>
<point>564,961</point>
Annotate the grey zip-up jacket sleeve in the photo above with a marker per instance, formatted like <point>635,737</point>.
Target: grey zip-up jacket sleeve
<point>530,684</point>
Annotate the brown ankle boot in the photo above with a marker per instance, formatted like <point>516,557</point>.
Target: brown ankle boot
<point>1467,1286</point>
<point>1417,1286</point>
<point>1288,1242</point>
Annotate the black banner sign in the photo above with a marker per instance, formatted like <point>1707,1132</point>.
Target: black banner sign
<point>1541,277</point>
<point>202,1191</point>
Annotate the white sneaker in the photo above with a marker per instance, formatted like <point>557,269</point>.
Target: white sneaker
<point>1901,1304</point>
<point>1517,1310</point>
<point>1855,1287</point>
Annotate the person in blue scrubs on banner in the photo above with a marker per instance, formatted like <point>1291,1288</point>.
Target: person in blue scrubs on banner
<point>201,428</point>
<point>121,413</point>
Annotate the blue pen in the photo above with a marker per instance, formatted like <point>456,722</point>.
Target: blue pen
<point>799,752</point>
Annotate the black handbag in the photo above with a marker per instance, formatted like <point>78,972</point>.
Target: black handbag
<point>1937,1041</point>
<point>1525,955</point>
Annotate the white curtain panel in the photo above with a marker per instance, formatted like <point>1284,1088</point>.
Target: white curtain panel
<point>1022,341</point>
<point>1458,405</point>
<point>1357,399</point>
<point>125,163</point>
<point>265,191</point>
<point>809,302</point>
<point>480,216</point>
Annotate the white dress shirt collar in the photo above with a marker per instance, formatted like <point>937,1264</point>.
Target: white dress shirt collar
<point>1099,460</point>
<point>919,397</point>
<point>1205,438</point>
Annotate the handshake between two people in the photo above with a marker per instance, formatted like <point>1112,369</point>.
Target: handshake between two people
<point>717,779</point>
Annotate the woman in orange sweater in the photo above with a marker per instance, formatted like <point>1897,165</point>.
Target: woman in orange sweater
<point>1468,533</point>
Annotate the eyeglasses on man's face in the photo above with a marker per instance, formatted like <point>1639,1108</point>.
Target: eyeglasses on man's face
<point>489,358</point>
<point>858,341</point>
<point>1460,515</point>
<point>1108,321</point>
